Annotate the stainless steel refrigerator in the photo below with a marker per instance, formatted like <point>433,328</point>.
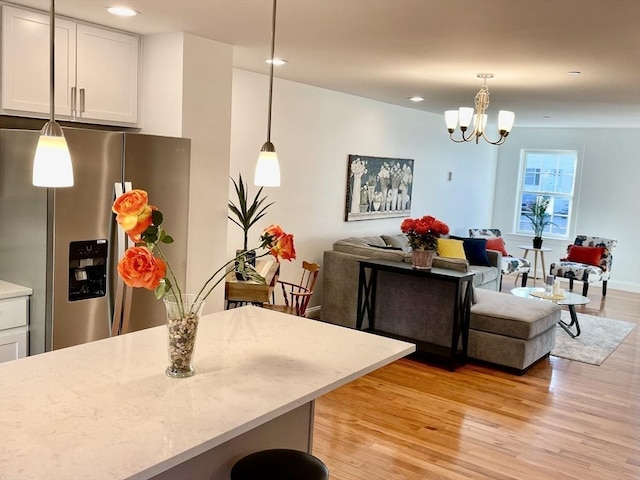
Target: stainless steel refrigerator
<point>63,243</point>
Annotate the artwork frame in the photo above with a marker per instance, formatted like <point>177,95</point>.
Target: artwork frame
<point>378,187</point>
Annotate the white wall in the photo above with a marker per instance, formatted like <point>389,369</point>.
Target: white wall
<point>607,200</point>
<point>187,92</point>
<point>314,130</point>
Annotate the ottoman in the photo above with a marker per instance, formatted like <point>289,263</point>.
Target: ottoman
<point>510,331</point>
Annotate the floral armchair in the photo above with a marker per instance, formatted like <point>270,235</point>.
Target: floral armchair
<point>510,264</point>
<point>588,260</point>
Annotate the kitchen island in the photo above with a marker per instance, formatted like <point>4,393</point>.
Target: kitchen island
<point>106,410</point>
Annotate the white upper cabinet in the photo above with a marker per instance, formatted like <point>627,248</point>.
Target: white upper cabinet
<point>25,62</point>
<point>107,75</point>
<point>96,69</point>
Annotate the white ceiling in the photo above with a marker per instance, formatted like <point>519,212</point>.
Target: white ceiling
<point>389,50</point>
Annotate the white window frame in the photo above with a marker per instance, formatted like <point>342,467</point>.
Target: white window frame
<point>572,196</point>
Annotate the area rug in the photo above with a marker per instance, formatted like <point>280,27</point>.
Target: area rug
<point>598,339</point>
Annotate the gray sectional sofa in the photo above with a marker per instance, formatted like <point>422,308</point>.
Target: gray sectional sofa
<point>505,330</point>
<point>340,272</point>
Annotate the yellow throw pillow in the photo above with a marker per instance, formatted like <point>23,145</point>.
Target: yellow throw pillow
<point>451,248</point>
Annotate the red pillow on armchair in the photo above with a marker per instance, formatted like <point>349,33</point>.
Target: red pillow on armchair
<point>588,255</point>
<point>497,243</point>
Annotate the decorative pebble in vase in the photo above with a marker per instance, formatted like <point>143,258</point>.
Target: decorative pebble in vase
<point>182,325</point>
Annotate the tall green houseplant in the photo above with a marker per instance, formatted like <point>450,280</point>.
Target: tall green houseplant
<point>246,213</point>
<point>539,218</point>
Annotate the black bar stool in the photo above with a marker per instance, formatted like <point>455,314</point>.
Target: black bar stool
<point>279,464</point>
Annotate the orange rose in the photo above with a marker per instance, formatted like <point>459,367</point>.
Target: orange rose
<point>130,203</point>
<point>283,247</point>
<point>274,231</point>
<point>136,224</point>
<point>139,268</point>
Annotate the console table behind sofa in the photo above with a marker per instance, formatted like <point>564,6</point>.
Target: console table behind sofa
<point>438,323</point>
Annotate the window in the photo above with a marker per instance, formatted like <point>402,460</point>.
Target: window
<point>551,173</point>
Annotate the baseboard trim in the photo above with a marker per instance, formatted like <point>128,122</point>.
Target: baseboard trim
<point>313,312</point>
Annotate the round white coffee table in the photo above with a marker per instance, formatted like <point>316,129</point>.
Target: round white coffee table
<point>570,300</point>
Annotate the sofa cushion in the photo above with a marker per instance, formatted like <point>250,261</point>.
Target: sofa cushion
<point>386,247</point>
<point>484,274</point>
<point>512,316</point>
<point>377,240</point>
<point>497,243</point>
<point>363,249</point>
<point>400,241</point>
<point>588,255</point>
<point>450,248</point>
<point>476,251</point>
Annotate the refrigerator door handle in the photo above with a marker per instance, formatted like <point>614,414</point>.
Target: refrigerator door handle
<point>121,305</point>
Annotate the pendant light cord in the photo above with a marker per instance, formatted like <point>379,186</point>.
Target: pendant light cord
<point>273,48</point>
<point>52,60</point>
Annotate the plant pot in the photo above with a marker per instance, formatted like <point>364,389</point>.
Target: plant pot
<point>537,242</point>
<point>422,259</point>
<point>250,258</point>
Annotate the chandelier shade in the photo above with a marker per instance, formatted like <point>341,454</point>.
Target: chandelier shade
<point>476,117</point>
<point>267,172</point>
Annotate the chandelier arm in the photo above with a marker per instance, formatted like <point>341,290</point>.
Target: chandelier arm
<point>500,141</point>
<point>457,141</point>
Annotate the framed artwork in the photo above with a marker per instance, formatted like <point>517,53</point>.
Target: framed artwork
<point>378,187</point>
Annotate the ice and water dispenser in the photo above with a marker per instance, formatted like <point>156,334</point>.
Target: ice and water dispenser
<point>87,269</point>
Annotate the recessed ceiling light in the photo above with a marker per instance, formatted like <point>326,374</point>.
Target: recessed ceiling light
<point>122,11</point>
<point>574,72</point>
<point>416,99</point>
<point>276,61</point>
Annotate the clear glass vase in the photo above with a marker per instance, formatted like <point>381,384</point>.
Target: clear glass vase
<point>183,315</point>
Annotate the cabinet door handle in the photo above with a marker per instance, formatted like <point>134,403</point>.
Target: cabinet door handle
<point>73,101</point>
<point>82,100</point>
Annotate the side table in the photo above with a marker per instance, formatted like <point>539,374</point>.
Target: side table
<point>536,251</point>
<point>238,292</point>
<point>458,287</point>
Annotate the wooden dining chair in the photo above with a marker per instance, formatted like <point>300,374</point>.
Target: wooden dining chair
<point>297,295</point>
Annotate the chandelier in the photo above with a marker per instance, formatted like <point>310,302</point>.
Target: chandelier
<point>465,115</point>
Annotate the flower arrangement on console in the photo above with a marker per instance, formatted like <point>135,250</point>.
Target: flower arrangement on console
<point>423,233</point>
<point>145,265</point>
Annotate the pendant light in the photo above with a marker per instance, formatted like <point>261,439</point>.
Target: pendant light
<point>267,172</point>
<point>52,161</point>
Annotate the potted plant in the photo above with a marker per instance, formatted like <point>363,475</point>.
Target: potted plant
<point>539,218</point>
<point>246,213</point>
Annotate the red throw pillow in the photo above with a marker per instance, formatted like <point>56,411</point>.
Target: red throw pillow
<point>497,243</point>
<point>588,255</point>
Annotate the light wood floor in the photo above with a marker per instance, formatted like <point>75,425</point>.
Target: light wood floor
<point>561,420</point>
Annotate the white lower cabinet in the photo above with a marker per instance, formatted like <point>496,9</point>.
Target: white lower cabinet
<point>14,326</point>
<point>13,344</point>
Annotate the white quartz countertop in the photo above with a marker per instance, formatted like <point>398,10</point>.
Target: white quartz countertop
<point>106,409</point>
<point>10,290</point>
